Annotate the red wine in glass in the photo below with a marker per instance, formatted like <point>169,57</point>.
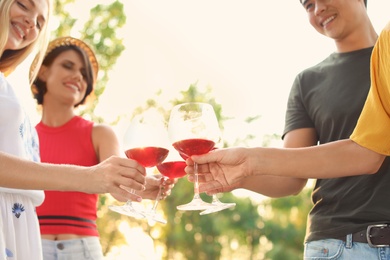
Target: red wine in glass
<point>147,156</point>
<point>173,169</point>
<point>195,146</point>
<point>193,130</point>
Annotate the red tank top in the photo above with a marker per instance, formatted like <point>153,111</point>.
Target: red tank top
<point>68,212</point>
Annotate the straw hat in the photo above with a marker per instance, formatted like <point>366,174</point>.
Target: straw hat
<point>70,41</point>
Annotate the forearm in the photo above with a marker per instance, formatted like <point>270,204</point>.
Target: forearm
<point>24,174</point>
<point>273,186</point>
<point>337,159</point>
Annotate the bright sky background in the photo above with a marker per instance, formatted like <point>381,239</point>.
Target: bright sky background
<point>248,51</point>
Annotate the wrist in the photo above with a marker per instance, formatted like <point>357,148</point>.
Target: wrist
<point>251,164</point>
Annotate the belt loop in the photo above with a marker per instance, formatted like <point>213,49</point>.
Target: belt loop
<point>348,241</point>
<point>87,253</point>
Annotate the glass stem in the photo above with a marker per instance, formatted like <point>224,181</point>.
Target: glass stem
<point>215,199</point>
<point>196,183</point>
<point>158,196</point>
<point>129,202</point>
<point>156,203</point>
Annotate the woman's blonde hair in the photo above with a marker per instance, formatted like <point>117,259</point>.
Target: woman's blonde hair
<point>10,59</point>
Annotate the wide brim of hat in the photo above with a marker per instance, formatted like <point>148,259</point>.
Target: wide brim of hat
<point>70,41</point>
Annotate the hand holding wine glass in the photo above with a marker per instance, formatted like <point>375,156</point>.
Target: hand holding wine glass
<point>219,205</point>
<point>144,142</point>
<point>193,130</point>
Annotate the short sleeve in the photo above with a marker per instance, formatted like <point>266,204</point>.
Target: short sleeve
<point>373,128</point>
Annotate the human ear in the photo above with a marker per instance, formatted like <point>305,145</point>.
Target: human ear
<point>43,72</point>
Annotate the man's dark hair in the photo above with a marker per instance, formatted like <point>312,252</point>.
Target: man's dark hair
<point>365,2</point>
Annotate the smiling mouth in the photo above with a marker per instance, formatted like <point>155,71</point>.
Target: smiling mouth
<point>325,23</point>
<point>19,30</point>
<point>74,87</point>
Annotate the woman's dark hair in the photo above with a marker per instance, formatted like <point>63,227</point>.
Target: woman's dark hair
<point>39,87</point>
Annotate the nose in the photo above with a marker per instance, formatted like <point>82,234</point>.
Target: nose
<point>30,22</point>
<point>78,76</point>
<point>320,7</point>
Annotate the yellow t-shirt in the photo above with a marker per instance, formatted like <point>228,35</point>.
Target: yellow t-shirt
<point>373,128</point>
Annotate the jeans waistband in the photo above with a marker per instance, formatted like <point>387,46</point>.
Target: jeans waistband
<point>375,236</point>
<point>81,244</point>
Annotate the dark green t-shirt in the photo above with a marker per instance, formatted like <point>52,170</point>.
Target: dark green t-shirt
<point>329,97</point>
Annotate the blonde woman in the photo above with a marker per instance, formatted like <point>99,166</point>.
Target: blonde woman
<point>22,177</point>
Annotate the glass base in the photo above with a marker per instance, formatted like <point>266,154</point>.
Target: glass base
<point>128,211</point>
<point>149,215</point>
<point>217,207</point>
<point>196,204</point>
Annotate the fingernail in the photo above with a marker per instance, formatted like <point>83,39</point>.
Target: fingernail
<point>139,199</point>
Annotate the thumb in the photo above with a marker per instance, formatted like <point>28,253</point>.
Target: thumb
<point>205,158</point>
<point>154,180</point>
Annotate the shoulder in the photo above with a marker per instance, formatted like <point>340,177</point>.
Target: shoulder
<point>102,130</point>
<point>102,133</point>
<point>105,141</point>
<point>317,68</point>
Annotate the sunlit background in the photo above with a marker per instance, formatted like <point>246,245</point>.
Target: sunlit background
<point>247,51</point>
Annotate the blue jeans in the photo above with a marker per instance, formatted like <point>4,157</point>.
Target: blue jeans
<point>80,249</point>
<point>334,249</point>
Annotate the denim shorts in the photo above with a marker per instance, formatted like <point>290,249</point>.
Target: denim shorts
<point>80,249</point>
<point>334,249</point>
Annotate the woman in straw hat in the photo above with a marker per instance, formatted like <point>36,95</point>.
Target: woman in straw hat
<point>65,80</point>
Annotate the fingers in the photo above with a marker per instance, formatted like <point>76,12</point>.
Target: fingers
<point>202,168</point>
<point>207,183</point>
<point>211,187</point>
<point>153,180</point>
<point>116,176</point>
<point>202,178</point>
<point>126,176</point>
<point>206,158</point>
<point>213,192</point>
<point>165,192</point>
<point>137,171</point>
<point>131,194</point>
<point>130,174</point>
<point>158,186</point>
<point>125,196</point>
<point>130,184</point>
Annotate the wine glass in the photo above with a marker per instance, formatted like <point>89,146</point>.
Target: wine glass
<point>145,140</point>
<point>170,169</point>
<point>193,130</point>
